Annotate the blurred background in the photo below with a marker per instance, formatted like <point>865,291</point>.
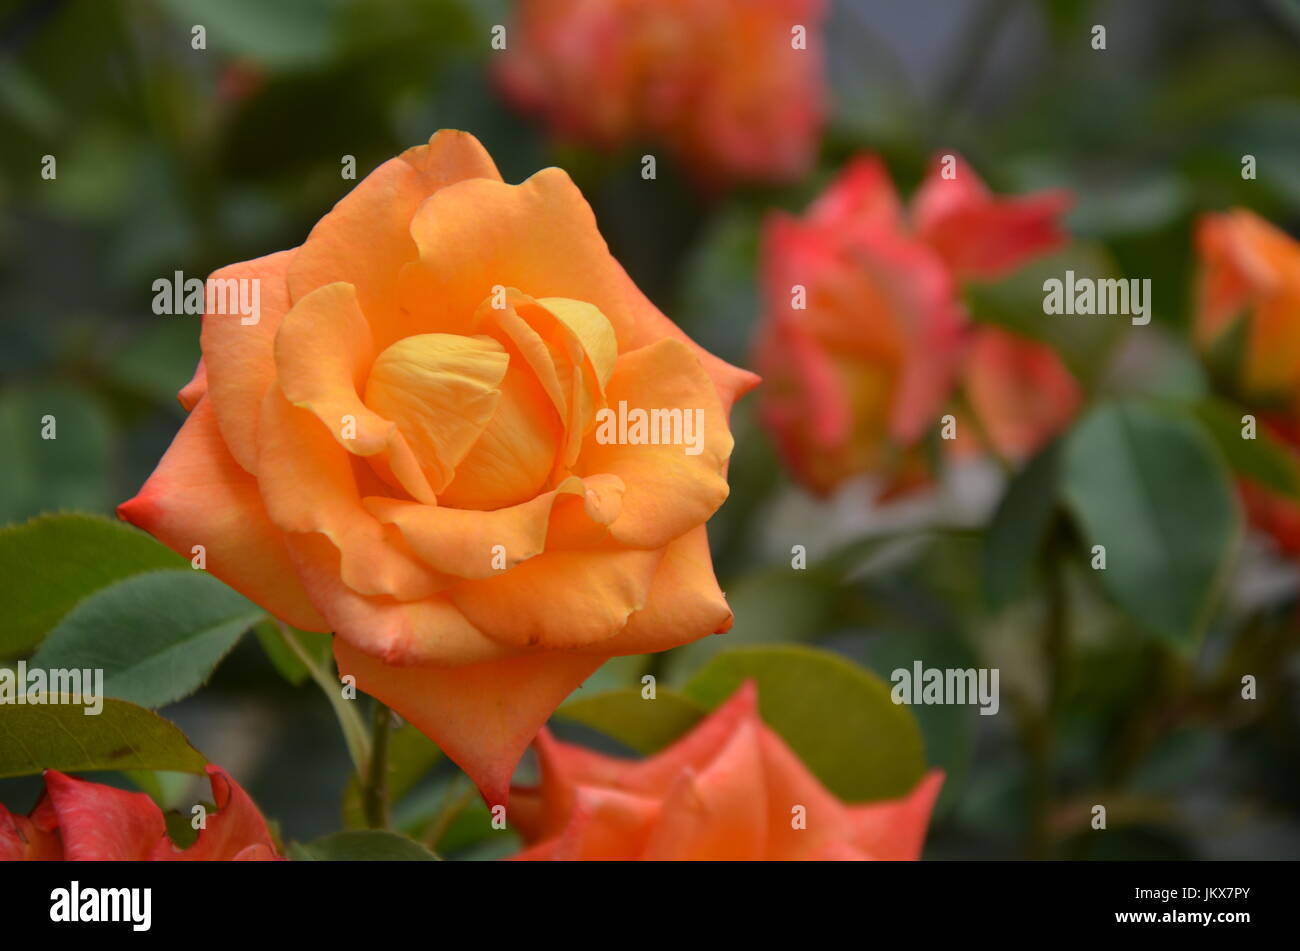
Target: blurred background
<point>174,159</point>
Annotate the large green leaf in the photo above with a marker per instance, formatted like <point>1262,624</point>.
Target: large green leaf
<point>50,563</point>
<point>1020,526</point>
<point>838,717</point>
<point>646,726</point>
<point>122,736</point>
<point>362,845</point>
<point>157,636</point>
<point>1148,485</point>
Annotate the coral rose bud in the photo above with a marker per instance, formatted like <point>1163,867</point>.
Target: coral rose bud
<point>731,789</point>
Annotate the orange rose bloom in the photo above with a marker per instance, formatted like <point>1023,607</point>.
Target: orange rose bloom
<point>865,337</point>
<point>405,450</point>
<point>77,820</point>
<point>728,790</point>
<point>720,81</point>
<point>1250,270</point>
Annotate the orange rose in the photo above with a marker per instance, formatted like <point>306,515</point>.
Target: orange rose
<point>865,337</point>
<point>406,449</point>
<point>726,791</point>
<point>77,820</point>
<point>721,81</point>
<point>1250,269</point>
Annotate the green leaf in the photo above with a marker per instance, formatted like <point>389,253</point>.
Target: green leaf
<point>1149,486</point>
<point>53,561</point>
<point>1020,526</point>
<point>157,636</point>
<point>837,717</point>
<point>411,755</point>
<point>362,845</point>
<point>282,656</point>
<point>1016,304</point>
<point>1263,459</point>
<point>122,736</point>
<point>646,726</point>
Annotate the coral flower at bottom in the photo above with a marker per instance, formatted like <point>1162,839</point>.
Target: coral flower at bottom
<point>731,789</point>
<point>77,820</point>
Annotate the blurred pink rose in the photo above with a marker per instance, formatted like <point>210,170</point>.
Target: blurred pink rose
<point>865,338</point>
<point>720,82</point>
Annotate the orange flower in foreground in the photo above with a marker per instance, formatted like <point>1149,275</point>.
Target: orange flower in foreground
<point>723,82</point>
<point>730,789</point>
<point>77,820</point>
<point>411,448</point>
<point>864,337</point>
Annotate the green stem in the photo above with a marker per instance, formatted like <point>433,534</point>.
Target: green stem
<point>374,789</point>
<point>354,731</point>
<point>454,804</point>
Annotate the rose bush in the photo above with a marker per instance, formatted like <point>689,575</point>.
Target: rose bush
<point>720,81</point>
<point>727,790</point>
<point>402,450</point>
<point>865,358</point>
<point>77,820</point>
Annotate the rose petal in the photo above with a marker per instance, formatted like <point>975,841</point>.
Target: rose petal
<point>193,391</point>
<point>239,358</point>
<point>464,542</point>
<point>560,599</point>
<point>235,831</point>
<point>684,603</point>
<point>365,240</point>
<point>540,237</point>
<point>199,495</point>
<point>719,814</point>
<point>308,484</point>
<point>428,631</point>
<point>668,490</point>
<point>101,823</point>
<point>482,716</point>
<point>895,830</point>
<point>980,235</point>
<point>1020,389</point>
<point>442,391</point>
<point>323,353</point>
